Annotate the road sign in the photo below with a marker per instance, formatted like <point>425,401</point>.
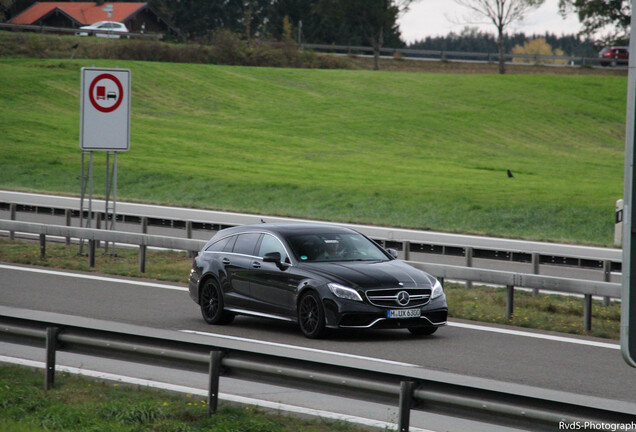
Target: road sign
<point>105,109</point>
<point>628,294</point>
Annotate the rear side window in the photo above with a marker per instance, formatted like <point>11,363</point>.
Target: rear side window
<point>246,243</point>
<point>220,245</point>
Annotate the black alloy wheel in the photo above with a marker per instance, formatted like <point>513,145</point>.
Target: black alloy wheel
<point>422,331</point>
<point>212,304</point>
<point>311,316</point>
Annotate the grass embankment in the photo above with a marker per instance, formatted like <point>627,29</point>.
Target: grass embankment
<point>546,312</point>
<point>79,404</point>
<point>425,151</point>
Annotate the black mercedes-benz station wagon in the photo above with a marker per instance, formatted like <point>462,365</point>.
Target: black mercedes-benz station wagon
<point>320,276</point>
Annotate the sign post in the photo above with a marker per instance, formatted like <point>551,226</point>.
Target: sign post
<point>104,126</point>
<point>628,295</point>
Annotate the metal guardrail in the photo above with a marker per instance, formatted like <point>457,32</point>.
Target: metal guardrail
<point>496,277</point>
<point>410,242</point>
<point>411,387</point>
<point>94,235</point>
<point>443,55</point>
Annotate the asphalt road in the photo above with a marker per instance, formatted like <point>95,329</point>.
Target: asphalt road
<point>578,365</point>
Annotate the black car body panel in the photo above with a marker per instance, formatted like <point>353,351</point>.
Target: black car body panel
<point>266,269</point>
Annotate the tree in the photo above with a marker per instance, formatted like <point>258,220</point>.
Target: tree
<point>501,13</point>
<point>607,20</point>
<point>5,6</point>
<point>374,20</point>
<point>536,47</point>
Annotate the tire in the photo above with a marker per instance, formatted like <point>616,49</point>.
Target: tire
<point>311,316</point>
<point>422,331</point>
<point>212,304</point>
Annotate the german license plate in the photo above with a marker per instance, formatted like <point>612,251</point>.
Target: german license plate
<point>404,313</point>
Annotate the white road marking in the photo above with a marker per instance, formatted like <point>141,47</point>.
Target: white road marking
<point>535,335</point>
<point>299,348</point>
<point>450,323</point>
<point>203,393</point>
<point>93,277</point>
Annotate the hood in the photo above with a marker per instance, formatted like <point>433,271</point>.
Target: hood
<point>384,274</point>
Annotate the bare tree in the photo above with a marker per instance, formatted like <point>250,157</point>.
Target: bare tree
<point>501,13</point>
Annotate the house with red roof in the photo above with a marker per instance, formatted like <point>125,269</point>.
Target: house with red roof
<point>138,17</point>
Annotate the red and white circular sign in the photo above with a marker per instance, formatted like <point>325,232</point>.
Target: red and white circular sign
<point>106,93</point>
<point>105,109</point>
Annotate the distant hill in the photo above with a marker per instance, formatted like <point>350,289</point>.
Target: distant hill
<point>419,150</point>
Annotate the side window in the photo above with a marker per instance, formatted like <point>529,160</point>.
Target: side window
<point>245,243</point>
<point>272,244</point>
<point>230,244</point>
<point>220,245</point>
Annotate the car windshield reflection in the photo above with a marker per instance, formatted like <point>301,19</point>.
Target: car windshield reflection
<point>331,247</point>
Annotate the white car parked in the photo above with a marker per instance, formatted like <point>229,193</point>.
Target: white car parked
<point>108,29</point>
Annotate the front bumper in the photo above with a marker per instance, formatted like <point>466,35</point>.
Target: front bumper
<point>350,314</point>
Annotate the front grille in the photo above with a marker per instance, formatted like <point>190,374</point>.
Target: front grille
<point>389,297</point>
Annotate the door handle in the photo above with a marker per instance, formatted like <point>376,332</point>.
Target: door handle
<point>256,265</point>
<point>225,261</point>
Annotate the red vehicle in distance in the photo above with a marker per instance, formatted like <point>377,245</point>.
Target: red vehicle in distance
<point>614,56</point>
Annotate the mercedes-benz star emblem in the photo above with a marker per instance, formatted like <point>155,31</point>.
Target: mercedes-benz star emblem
<point>403,298</point>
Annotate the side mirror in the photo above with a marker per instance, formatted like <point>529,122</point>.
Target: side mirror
<point>393,253</point>
<point>273,257</point>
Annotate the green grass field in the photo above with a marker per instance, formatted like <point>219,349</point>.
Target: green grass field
<point>79,404</point>
<point>418,150</point>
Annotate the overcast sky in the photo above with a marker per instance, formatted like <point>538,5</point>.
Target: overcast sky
<point>440,17</point>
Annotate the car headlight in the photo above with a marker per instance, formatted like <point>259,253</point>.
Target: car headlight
<point>344,292</point>
<point>437,290</point>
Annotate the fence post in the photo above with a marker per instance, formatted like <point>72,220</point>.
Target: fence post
<point>406,399</point>
<point>98,225</point>
<point>510,301</point>
<point>42,246</point>
<point>142,248</point>
<point>142,259</point>
<point>607,276</point>
<point>51,346</point>
<point>214,375</point>
<point>67,216</point>
<point>587,312</point>
<point>12,210</point>
<point>536,258</point>
<point>91,253</point>
<point>406,248</point>
<point>189,235</point>
<point>469,263</point>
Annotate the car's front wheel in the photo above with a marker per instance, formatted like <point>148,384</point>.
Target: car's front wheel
<point>311,316</point>
<point>212,304</point>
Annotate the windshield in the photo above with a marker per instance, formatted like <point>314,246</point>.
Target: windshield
<point>325,247</point>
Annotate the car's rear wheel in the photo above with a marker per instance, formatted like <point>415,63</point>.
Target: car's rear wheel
<point>212,304</point>
<point>422,331</point>
<point>311,316</point>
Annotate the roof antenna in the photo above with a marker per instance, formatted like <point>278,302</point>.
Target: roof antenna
<point>262,221</point>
